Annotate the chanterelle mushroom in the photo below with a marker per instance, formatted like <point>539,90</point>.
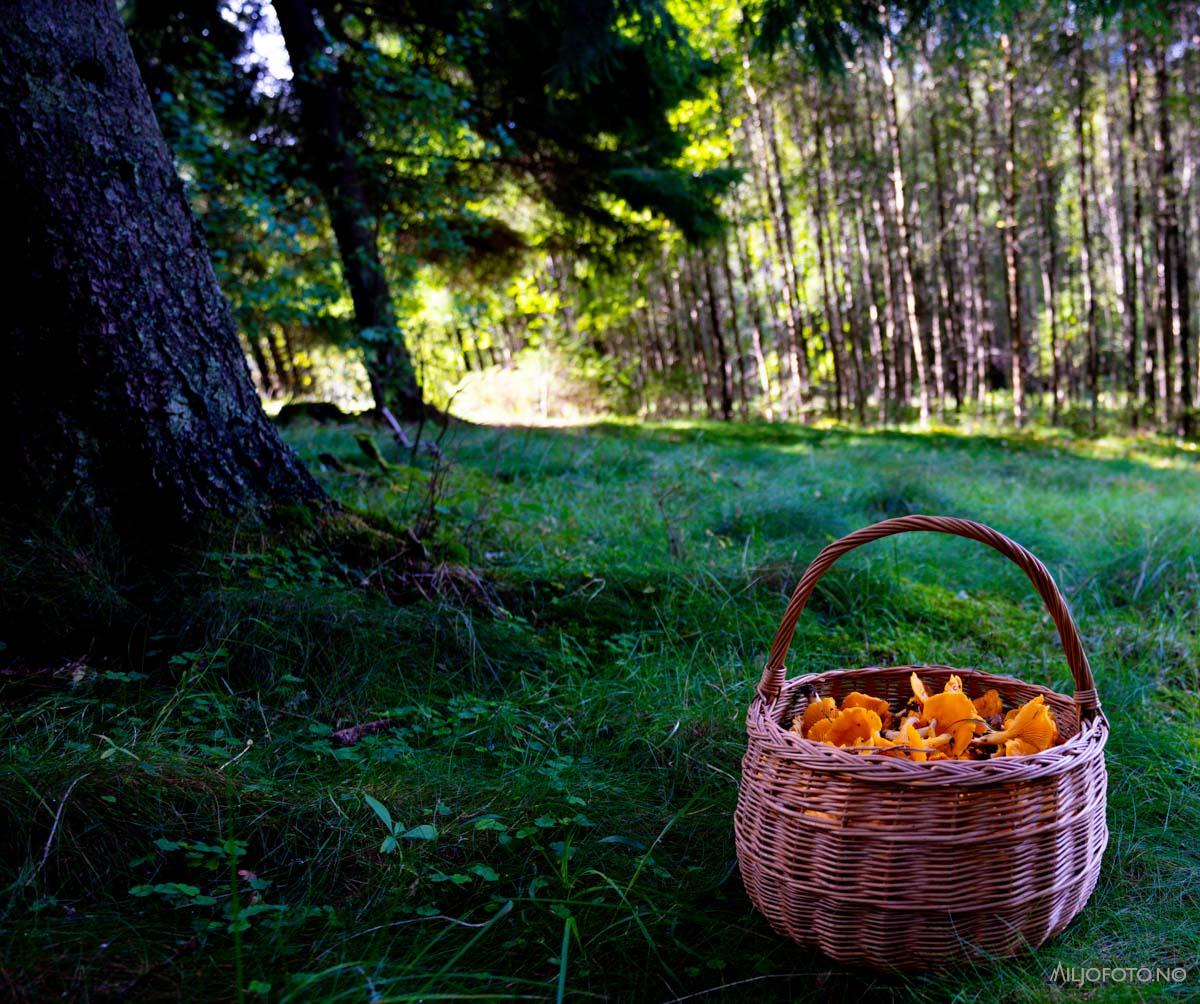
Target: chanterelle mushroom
<point>1030,730</point>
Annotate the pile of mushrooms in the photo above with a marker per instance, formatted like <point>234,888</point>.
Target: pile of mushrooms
<point>944,726</point>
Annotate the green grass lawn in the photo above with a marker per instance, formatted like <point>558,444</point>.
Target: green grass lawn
<point>560,775</point>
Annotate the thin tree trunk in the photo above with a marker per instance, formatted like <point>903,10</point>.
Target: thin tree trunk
<point>758,331</point>
<point>774,232</point>
<point>891,373</point>
<point>1138,170</point>
<point>833,317</point>
<point>739,364</point>
<point>979,299</point>
<point>876,323</point>
<point>670,289</point>
<point>328,137</point>
<point>1012,265</point>
<point>799,346</point>
<point>718,337</point>
<point>1048,247</point>
<point>1129,280</point>
<point>1164,267</point>
<point>653,342</point>
<point>925,261</point>
<point>1083,152</point>
<point>699,356</point>
<point>950,282</point>
<point>1175,305</point>
<point>902,227</point>
<point>269,382</point>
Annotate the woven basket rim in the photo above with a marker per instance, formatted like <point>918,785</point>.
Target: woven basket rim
<point>765,729</point>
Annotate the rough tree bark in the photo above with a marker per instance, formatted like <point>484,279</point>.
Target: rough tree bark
<point>325,121</point>
<point>124,387</point>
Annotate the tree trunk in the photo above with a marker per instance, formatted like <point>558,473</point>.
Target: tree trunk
<point>788,251</point>
<point>786,347</point>
<point>1164,267</point>
<point>658,351</point>
<point>124,389</point>
<point>739,355</point>
<point>328,136</point>
<point>1082,139</point>
<point>268,380</point>
<point>980,307</point>
<point>700,361</point>
<point>758,331</point>
<point>851,309</point>
<point>1176,310</point>
<point>878,342</point>
<point>1146,383</point>
<point>282,358</point>
<point>890,374</point>
<point>718,337</point>
<point>949,278</point>
<point>902,227</point>
<point>925,262</point>
<point>1048,246</point>
<point>833,316</point>
<point>1127,183</point>
<point>1012,267</point>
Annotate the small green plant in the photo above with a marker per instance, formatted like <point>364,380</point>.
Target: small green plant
<point>396,831</point>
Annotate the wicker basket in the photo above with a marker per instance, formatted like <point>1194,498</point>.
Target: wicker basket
<point>898,864</point>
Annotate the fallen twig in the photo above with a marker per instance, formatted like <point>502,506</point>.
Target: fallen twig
<point>57,819</point>
<point>353,733</point>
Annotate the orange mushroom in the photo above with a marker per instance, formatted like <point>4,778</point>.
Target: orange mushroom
<point>988,704</point>
<point>818,710</point>
<point>819,733</point>
<point>918,689</point>
<point>916,746</point>
<point>849,727</point>
<point>1016,747</point>
<point>855,699</point>
<point>954,714</point>
<point>1030,730</point>
<point>852,724</point>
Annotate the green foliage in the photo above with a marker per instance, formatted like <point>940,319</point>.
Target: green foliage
<point>548,807</point>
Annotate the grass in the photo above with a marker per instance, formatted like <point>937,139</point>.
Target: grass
<point>549,814</point>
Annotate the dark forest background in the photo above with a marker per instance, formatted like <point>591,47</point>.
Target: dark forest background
<point>952,209</point>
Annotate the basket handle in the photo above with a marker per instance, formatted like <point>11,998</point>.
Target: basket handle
<point>1085,685</point>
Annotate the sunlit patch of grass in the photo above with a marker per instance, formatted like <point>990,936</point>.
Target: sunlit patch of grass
<point>560,774</point>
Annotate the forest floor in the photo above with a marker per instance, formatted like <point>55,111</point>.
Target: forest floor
<point>548,813</point>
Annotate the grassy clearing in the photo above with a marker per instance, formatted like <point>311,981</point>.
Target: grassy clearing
<point>554,797</point>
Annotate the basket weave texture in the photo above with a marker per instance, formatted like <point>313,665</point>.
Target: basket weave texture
<point>891,863</point>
